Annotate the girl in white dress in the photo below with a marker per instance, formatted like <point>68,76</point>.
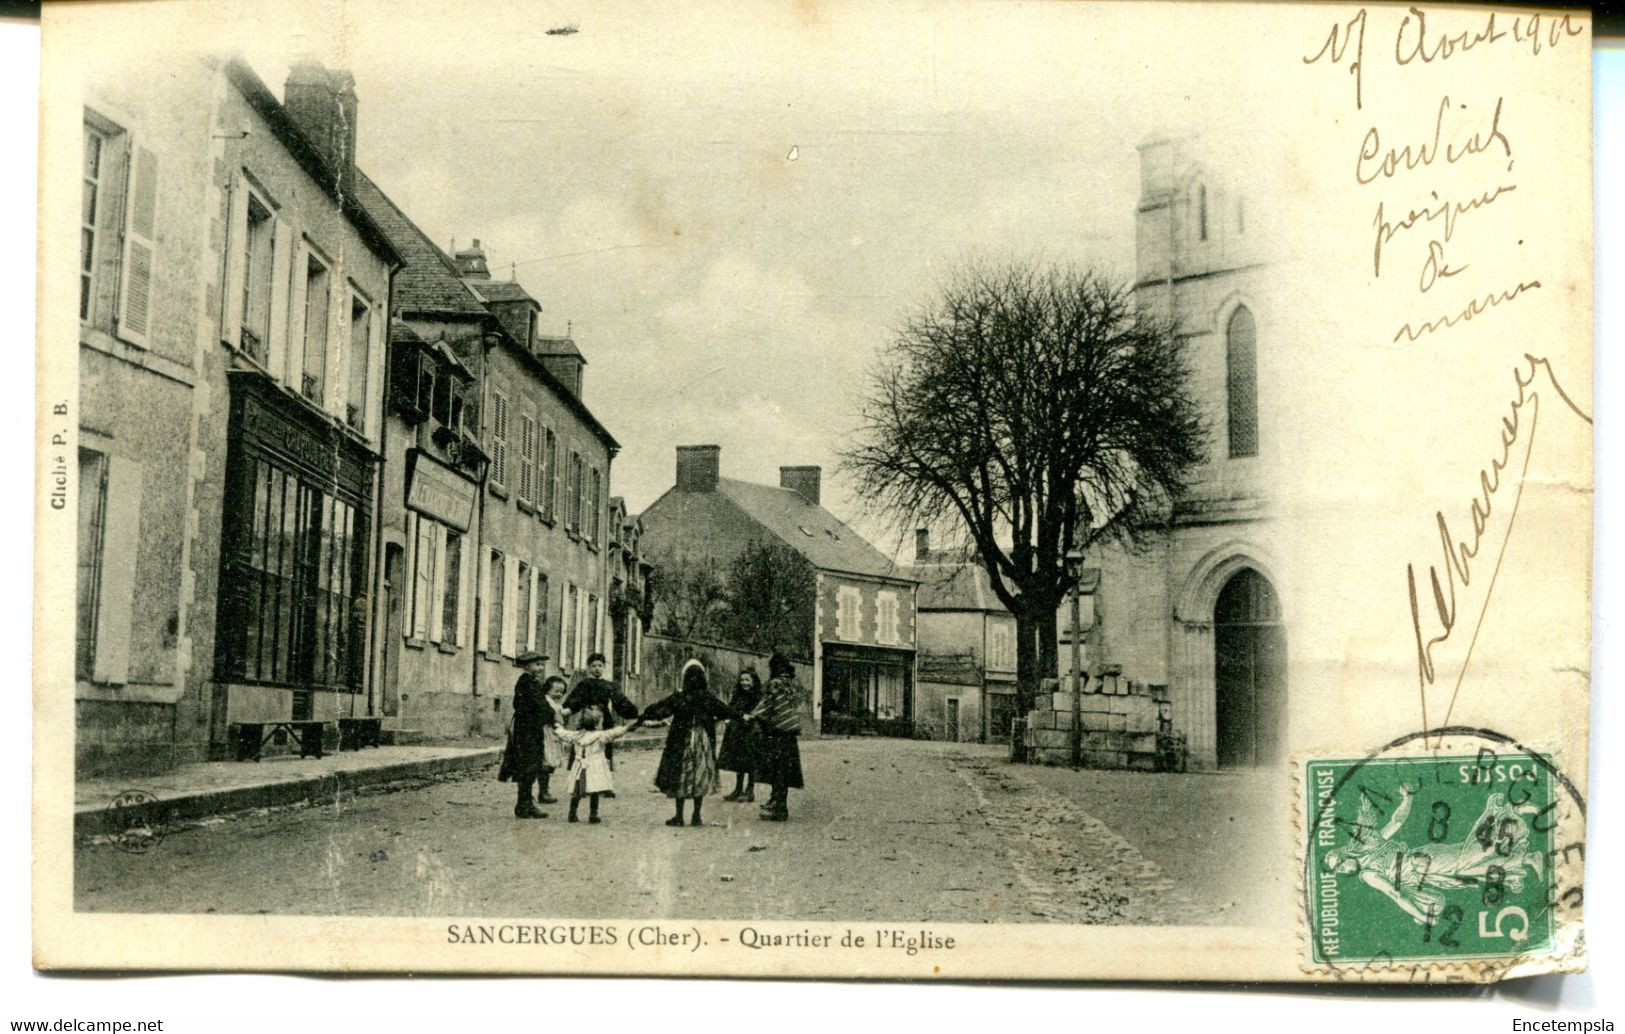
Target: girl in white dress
<point>590,774</point>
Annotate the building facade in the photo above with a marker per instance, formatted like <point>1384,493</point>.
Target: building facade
<point>496,534</point>
<point>233,302</point>
<point>967,649</point>
<point>861,636</point>
<point>1200,617</point>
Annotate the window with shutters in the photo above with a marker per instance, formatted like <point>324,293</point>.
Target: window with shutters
<point>527,457</point>
<point>595,503</point>
<point>318,302</point>
<point>92,524</point>
<point>847,626</point>
<point>117,231</point>
<point>423,576</point>
<point>1241,367</point>
<point>499,439</point>
<point>886,630</point>
<point>574,491</point>
<point>567,627</point>
<point>549,475</point>
<point>539,628</point>
<point>521,608</point>
<point>96,198</point>
<point>499,588</point>
<point>360,360</point>
<point>259,257</point>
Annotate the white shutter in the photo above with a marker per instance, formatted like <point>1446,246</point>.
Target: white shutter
<point>481,633</point>
<point>231,301</point>
<point>530,619</point>
<point>410,589</point>
<point>581,630</point>
<point>282,248</point>
<point>437,591</point>
<point>120,538</point>
<point>510,595</point>
<point>140,247</point>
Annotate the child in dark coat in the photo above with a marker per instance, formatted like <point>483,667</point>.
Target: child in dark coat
<point>688,764</point>
<point>738,753</point>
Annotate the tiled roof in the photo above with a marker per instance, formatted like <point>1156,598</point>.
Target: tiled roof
<point>498,290</point>
<point>809,529</point>
<point>429,282</point>
<point>954,586</point>
<point>557,346</point>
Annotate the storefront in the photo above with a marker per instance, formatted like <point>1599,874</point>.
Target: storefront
<point>867,690</point>
<point>291,628</point>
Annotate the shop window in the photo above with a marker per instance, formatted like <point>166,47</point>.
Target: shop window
<point>296,572</point>
<point>318,300</point>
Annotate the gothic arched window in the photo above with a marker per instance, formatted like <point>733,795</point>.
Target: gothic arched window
<point>1241,366</point>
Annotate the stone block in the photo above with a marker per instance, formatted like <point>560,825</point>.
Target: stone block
<point>1119,706</point>
<point>1061,702</point>
<point>1096,703</point>
<point>1142,721</point>
<point>1050,739</point>
<point>1145,742</point>
<point>1098,741</point>
<point>1141,762</point>
<point>1117,722</point>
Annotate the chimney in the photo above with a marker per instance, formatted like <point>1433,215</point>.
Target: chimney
<point>922,545</point>
<point>322,103</point>
<point>697,467</point>
<point>803,480</point>
<point>471,263</point>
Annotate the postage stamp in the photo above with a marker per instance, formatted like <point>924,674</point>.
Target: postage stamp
<point>1434,858</point>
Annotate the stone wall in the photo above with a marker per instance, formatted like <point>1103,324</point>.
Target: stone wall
<point>1126,724</point>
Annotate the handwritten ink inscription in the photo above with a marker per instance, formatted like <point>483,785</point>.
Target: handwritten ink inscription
<point>1471,133</point>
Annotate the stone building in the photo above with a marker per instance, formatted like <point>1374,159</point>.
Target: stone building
<point>967,649</point>
<point>1200,618</point>
<point>233,305</point>
<point>496,536</point>
<point>861,637</point>
<point>630,609</point>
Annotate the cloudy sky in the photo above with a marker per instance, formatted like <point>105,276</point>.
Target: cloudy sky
<point>732,207</point>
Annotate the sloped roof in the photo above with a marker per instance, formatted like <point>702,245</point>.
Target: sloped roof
<point>809,529</point>
<point>954,586</point>
<point>546,345</point>
<point>429,281</point>
<point>499,290</point>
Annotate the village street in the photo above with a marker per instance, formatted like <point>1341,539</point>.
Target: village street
<point>886,829</point>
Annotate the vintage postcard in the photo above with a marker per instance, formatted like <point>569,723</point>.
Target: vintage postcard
<point>827,489</point>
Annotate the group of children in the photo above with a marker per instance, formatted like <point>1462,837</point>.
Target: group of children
<point>760,743</point>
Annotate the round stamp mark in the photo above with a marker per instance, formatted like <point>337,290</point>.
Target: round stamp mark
<point>1456,852</point>
<point>135,821</point>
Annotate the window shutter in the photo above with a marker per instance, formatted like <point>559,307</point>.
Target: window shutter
<point>529,638</point>
<point>298,263</point>
<point>410,589</point>
<point>437,591</point>
<point>140,248</point>
<point>553,464</point>
<point>467,573</point>
<point>510,594</point>
<point>120,540</point>
<point>231,301</point>
<point>481,632</point>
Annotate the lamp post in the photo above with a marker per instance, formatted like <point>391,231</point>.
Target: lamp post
<point>1074,573</point>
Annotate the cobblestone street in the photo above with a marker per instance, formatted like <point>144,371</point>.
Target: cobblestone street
<point>887,829</point>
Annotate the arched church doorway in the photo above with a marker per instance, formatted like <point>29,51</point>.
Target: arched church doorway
<point>1249,671</point>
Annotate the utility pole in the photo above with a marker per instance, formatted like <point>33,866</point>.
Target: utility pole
<point>1074,566</point>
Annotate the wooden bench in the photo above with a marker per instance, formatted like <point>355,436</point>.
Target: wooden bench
<point>250,738</point>
<point>355,733</point>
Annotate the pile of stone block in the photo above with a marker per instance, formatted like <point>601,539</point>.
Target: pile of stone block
<point>1120,722</point>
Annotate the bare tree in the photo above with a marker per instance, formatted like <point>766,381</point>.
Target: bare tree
<point>688,592</point>
<point>1036,411</point>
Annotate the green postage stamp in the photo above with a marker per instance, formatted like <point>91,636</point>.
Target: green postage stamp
<point>1439,858</point>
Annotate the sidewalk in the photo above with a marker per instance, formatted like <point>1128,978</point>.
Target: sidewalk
<point>196,791</point>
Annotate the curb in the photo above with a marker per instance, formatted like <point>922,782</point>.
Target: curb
<point>200,804</point>
<point>327,785</point>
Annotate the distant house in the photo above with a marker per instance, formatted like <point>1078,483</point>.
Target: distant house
<point>861,635</point>
<point>629,603</point>
<point>967,649</point>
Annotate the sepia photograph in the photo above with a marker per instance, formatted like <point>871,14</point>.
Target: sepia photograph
<point>823,489</point>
